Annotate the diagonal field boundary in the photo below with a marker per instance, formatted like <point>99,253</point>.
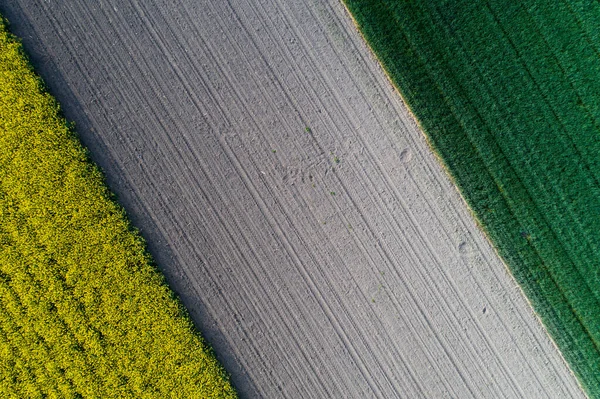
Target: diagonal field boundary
<point>83,310</point>
<point>508,96</point>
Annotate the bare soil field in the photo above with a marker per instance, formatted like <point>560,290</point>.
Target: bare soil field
<point>290,199</point>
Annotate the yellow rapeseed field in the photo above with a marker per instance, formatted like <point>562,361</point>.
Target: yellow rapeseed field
<point>84,313</point>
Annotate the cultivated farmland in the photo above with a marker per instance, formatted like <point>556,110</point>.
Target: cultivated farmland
<point>508,95</point>
<point>224,127</point>
<point>83,311</point>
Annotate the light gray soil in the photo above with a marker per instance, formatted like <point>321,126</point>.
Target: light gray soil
<point>334,262</point>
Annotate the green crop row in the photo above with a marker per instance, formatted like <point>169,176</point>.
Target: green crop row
<point>83,310</point>
<point>508,95</point>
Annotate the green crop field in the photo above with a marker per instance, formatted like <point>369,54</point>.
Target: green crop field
<point>84,313</point>
<point>508,95</point>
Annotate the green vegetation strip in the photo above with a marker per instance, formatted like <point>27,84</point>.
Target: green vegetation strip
<point>83,310</point>
<point>508,95</point>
